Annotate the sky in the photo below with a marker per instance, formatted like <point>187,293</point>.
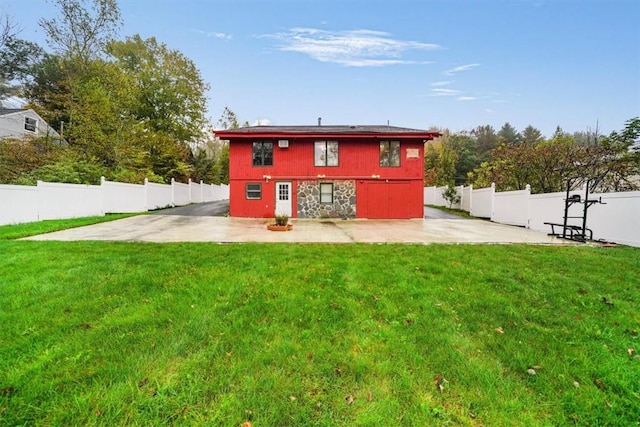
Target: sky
<point>412,63</point>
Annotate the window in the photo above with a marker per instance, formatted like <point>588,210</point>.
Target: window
<point>389,153</point>
<point>263,153</point>
<point>326,192</point>
<point>254,191</point>
<point>326,153</point>
<point>30,124</point>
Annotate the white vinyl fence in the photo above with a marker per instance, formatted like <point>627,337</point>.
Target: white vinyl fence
<point>50,200</point>
<point>617,219</point>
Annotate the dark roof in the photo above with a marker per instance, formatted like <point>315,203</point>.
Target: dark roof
<point>4,111</point>
<point>326,130</point>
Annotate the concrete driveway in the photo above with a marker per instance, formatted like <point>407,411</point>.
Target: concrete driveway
<point>178,228</point>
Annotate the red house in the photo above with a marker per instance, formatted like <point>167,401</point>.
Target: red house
<point>326,171</point>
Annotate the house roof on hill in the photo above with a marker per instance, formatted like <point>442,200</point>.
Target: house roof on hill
<point>4,111</point>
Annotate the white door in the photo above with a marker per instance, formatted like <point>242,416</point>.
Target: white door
<point>283,198</point>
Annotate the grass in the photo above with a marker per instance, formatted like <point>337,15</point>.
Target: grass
<point>458,212</point>
<point>17,231</point>
<point>98,333</point>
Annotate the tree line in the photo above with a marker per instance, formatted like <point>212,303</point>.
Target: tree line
<point>126,109</point>
<point>512,160</point>
<point>132,108</point>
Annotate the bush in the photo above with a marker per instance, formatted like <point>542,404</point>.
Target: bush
<point>451,195</point>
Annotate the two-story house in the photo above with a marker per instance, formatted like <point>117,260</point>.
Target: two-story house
<point>326,171</point>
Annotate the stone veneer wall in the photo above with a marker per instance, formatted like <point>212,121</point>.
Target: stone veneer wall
<point>344,200</point>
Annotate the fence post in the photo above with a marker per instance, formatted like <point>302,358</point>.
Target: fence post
<point>173,192</point>
<point>470,197</point>
<point>190,189</point>
<point>493,198</point>
<point>146,193</point>
<point>201,191</point>
<point>528,190</point>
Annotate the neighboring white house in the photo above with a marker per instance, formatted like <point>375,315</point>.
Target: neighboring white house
<point>24,124</point>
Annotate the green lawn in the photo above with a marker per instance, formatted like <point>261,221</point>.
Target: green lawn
<point>97,333</point>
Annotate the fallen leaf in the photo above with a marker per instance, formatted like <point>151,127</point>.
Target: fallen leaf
<point>408,322</point>
<point>7,391</point>
<point>370,396</point>
<point>143,382</point>
<point>337,371</point>
<point>98,412</point>
<point>537,367</point>
<point>582,291</point>
<point>309,355</point>
<point>576,384</point>
<point>630,351</point>
<point>531,371</point>
<point>247,424</point>
<point>349,399</point>
<point>292,398</point>
<point>600,384</point>
<point>499,330</point>
<point>439,380</point>
<point>607,301</point>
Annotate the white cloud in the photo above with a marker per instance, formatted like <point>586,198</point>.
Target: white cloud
<point>355,48</point>
<point>489,110</point>
<point>444,92</point>
<point>467,98</point>
<point>460,68</point>
<point>443,83</point>
<point>213,34</point>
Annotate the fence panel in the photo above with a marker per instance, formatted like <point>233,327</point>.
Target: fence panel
<point>465,202</point>
<point>224,192</point>
<point>181,194</point>
<point>18,203</point>
<point>548,207</point>
<point>482,206</point>
<point>512,207</point>
<point>617,221</point>
<point>158,195</point>
<point>120,197</point>
<point>195,192</point>
<point>59,201</point>
<point>429,195</point>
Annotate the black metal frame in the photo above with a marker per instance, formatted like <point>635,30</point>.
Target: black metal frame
<point>576,232</point>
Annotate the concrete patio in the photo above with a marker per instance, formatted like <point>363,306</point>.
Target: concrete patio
<point>177,228</point>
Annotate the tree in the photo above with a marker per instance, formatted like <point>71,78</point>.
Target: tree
<point>80,32</point>
<point>531,135</point>
<point>450,194</point>
<point>440,160</point>
<point>615,160</point>
<point>547,166</point>
<point>17,57</point>
<point>508,134</point>
<point>486,140</point>
<point>170,90</point>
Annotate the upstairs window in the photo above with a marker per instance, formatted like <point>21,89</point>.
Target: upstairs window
<point>30,124</point>
<point>325,153</point>
<point>389,153</point>
<point>263,153</point>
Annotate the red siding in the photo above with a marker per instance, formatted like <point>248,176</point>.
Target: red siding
<point>356,159</point>
<point>395,192</point>
<point>389,200</point>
